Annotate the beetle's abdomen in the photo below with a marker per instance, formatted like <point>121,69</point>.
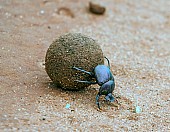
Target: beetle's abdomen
<point>102,74</point>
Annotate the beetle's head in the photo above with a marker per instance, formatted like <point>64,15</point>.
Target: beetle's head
<point>110,97</point>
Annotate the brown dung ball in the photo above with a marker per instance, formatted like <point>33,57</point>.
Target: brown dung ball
<point>72,49</point>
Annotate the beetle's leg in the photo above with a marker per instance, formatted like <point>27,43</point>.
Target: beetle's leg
<point>107,61</point>
<point>76,68</point>
<point>88,82</point>
<point>97,100</point>
<point>109,97</point>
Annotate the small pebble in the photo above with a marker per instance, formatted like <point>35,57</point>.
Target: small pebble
<point>65,11</point>
<point>67,106</point>
<point>42,11</point>
<point>96,9</point>
<point>138,109</point>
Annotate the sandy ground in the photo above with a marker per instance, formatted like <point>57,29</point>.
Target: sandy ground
<point>134,35</point>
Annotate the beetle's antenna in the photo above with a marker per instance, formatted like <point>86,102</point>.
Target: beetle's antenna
<point>107,61</point>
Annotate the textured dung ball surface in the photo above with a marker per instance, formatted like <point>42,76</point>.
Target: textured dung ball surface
<point>72,50</point>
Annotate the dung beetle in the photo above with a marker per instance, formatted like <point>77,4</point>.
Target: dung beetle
<point>104,79</point>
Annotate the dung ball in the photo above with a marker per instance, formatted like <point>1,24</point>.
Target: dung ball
<point>67,51</point>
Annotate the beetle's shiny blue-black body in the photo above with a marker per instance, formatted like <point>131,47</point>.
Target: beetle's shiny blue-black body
<point>104,78</point>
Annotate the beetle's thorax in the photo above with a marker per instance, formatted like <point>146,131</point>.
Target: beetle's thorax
<point>102,74</point>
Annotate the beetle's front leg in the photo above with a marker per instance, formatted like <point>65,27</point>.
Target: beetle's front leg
<point>97,100</point>
<point>88,82</point>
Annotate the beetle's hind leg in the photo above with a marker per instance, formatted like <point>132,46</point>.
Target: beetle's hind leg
<point>79,69</point>
<point>88,82</point>
<point>90,73</point>
<point>107,61</point>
